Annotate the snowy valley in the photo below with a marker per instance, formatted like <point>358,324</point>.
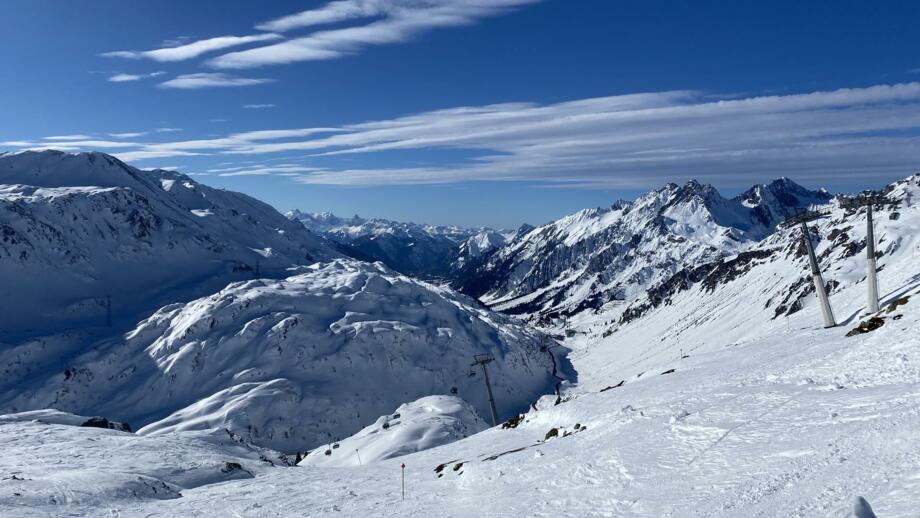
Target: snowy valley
<point>660,357</point>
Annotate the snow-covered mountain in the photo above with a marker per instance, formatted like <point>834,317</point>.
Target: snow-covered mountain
<point>599,256</point>
<point>291,363</point>
<point>428,251</point>
<point>80,231</point>
<point>699,397</point>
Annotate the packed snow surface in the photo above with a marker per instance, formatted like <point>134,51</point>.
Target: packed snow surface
<point>52,467</point>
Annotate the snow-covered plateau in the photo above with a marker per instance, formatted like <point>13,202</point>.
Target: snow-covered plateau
<point>695,377</point>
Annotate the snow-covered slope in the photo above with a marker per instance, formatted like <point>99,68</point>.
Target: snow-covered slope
<point>779,419</point>
<point>741,297</point>
<point>422,424</point>
<point>429,251</point>
<point>78,231</point>
<point>717,393</point>
<point>50,465</point>
<point>290,363</point>
<point>597,256</point>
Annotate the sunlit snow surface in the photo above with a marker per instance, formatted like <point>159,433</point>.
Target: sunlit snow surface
<point>710,404</point>
<point>770,427</point>
<point>292,363</point>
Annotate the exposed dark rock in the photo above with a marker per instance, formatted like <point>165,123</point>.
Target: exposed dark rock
<point>230,467</point>
<point>865,327</point>
<point>101,422</point>
<point>513,422</point>
<point>618,385</point>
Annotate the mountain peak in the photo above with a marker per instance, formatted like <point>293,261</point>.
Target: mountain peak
<point>53,168</point>
<point>783,191</point>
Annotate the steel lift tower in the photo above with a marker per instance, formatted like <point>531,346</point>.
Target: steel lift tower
<point>482,360</point>
<point>802,219</point>
<point>869,199</point>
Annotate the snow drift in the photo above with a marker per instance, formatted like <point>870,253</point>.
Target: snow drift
<point>422,424</point>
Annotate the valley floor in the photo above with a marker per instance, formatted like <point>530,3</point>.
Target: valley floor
<point>798,422</point>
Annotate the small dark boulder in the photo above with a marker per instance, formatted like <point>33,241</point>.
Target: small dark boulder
<point>513,422</point>
<point>101,422</point>
<point>618,385</point>
<point>865,327</point>
<point>230,467</point>
<point>553,432</point>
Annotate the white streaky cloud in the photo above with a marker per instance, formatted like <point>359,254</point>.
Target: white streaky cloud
<point>167,130</point>
<point>344,10</point>
<point>68,137</point>
<point>634,140</point>
<point>210,80</point>
<point>124,78</point>
<point>133,156</point>
<point>192,50</point>
<point>258,106</point>
<point>128,135</point>
<point>332,12</point>
<point>402,20</point>
<point>281,170</point>
<point>165,168</point>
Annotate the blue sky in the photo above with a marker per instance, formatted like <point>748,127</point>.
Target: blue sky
<point>474,112</point>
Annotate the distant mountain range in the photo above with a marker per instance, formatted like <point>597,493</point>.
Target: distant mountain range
<point>598,256</point>
<point>582,261</point>
<point>429,251</point>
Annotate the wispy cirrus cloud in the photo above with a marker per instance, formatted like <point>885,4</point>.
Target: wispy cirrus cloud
<point>68,137</point>
<point>124,78</point>
<point>260,170</point>
<point>377,22</point>
<point>192,50</point>
<point>211,80</point>
<point>636,140</point>
<point>258,106</point>
<point>337,11</point>
<point>392,21</point>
